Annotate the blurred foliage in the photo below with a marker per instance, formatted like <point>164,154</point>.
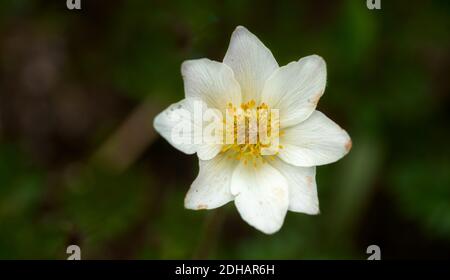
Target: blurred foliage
<point>69,79</point>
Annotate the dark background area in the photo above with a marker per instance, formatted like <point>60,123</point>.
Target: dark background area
<point>81,164</point>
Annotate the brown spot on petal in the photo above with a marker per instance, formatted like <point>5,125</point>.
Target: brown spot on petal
<point>315,99</point>
<point>279,193</point>
<point>202,206</point>
<point>309,180</point>
<point>348,145</point>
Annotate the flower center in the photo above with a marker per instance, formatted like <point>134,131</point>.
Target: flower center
<point>252,133</point>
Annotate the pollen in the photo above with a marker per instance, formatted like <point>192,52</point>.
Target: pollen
<point>252,133</point>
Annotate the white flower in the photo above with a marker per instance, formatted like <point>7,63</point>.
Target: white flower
<point>263,187</point>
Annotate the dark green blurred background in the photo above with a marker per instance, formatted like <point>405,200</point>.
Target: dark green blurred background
<point>81,164</point>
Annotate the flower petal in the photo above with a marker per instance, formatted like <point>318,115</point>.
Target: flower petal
<point>251,61</point>
<point>208,151</point>
<point>165,122</point>
<point>302,187</point>
<point>261,196</point>
<point>179,126</point>
<point>316,141</point>
<point>295,89</point>
<point>211,81</point>
<point>211,188</point>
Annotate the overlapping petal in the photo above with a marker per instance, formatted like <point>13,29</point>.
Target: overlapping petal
<point>211,188</point>
<point>211,81</point>
<point>251,61</point>
<point>302,187</point>
<point>295,89</point>
<point>180,127</point>
<point>262,196</point>
<point>316,141</point>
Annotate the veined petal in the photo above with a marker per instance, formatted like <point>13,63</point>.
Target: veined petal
<point>251,61</point>
<point>180,126</point>
<point>316,141</point>
<point>211,81</point>
<point>211,188</point>
<point>302,186</point>
<point>261,196</point>
<point>296,88</point>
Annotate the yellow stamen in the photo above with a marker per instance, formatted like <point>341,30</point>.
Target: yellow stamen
<point>249,151</point>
